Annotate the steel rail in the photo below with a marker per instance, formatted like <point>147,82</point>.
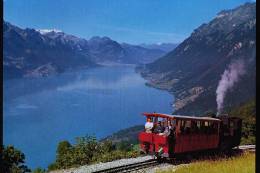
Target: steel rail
<point>130,167</point>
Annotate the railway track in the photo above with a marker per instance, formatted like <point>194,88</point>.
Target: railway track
<point>250,148</point>
<point>152,162</point>
<point>246,147</point>
<point>130,167</point>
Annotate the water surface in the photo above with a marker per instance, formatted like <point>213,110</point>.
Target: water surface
<point>40,112</point>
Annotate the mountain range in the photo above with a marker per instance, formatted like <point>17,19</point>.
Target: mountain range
<point>167,47</point>
<point>193,70</point>
<point>31,52</point>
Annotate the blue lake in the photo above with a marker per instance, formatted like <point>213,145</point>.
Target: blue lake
<point>40,112</point>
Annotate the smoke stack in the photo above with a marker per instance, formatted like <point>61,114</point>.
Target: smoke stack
<point>230,76</point>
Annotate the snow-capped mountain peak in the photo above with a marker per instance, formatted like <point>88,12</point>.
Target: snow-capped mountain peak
<point>45,31</point>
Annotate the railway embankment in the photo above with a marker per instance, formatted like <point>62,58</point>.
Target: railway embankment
<point>241,159</point>
<point>104,166</point>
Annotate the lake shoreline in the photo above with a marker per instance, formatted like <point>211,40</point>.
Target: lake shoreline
<point>76,102</point>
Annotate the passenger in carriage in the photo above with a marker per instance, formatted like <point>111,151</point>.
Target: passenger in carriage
<point>168,128</point>
<point>159,128</point>
<point>170,125</point>
<point>149,126</point>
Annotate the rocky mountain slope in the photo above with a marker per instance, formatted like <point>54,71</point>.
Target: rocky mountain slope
<point>30,52</point>
<point>27,52</point>
<point>103,49</point>
<point>192,71</point>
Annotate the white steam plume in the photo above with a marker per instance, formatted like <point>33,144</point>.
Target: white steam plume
<point>228,79</point>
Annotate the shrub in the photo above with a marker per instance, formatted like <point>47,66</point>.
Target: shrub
<point>13,160</point>
<point>39,170</point>
<point>88,150</point>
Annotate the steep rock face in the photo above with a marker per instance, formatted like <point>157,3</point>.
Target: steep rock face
<point>103,49</point>
<point>200,60</point>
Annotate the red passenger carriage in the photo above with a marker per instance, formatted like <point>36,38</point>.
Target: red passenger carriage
<point>190,134</point>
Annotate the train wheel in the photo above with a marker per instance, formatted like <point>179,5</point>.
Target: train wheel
<point>188,158</point>
<point>158,158</point>
<point>161,159</point>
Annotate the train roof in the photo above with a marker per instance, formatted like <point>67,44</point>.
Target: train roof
<point>180,117</point>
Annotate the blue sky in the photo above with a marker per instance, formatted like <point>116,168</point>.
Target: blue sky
<point>130,21</point>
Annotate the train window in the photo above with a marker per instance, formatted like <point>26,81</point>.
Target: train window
<point>160,119</point>
<point>165,122</point>
<point>210,128</point>
<point>198,124</point>
<point>194,127</point>
<point>231,124</point>
<point>153,119</point>
<point>174,123</point>
<point>236,124</point>
<point>225,121</point>
<point>203,127</point>
<point>188,123</point>
<point>216,127</point>
<point>187,127</point>
<point>182,124</point>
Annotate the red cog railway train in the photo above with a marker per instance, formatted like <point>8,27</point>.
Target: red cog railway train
<point>189,134</point>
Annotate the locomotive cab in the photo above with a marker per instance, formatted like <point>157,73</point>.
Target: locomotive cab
<point>230,133</point>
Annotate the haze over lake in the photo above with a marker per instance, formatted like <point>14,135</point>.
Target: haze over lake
<point>40,112</point>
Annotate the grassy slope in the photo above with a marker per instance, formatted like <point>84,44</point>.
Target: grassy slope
<point>241,164</point>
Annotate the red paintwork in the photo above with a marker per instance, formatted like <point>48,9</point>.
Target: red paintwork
<point>194,142</point>
<point>156,115</point>
<point>155,141</point>
<point>184,142</point>
<point>146,137</point>
<point>160,141</point>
